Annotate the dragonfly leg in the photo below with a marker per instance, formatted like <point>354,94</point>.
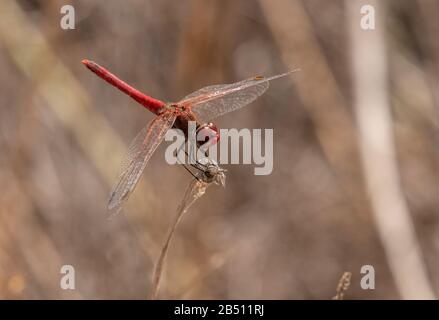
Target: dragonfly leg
<point>187,169</point>
<point>198,165</point>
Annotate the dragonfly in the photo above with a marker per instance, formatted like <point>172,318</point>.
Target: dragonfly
<point>201,106</point>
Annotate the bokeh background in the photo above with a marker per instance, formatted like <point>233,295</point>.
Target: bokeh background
<point>355,179</point>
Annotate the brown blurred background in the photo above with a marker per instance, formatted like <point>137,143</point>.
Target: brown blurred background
<point>355,149</point>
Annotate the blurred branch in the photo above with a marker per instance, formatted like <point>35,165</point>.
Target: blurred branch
<point>318,90</point>
<point>428,29</point>
<point>66,98</point>
<point>392,216</point>
<point>16,261</point>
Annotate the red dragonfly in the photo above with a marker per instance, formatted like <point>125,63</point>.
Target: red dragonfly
<point>200,106</point>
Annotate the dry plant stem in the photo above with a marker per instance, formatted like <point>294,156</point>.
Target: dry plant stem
<point>194,191</point>
<point>343,286</point>
<point>390,210</point>
<point>158,270</point>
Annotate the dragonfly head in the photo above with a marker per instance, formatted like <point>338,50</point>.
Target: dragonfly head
<point>211,172</point>
<point>207,135</point>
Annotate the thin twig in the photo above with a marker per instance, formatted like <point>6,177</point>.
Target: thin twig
<point>194,191</point>
<point>158,270</point>
<point>343,286</point>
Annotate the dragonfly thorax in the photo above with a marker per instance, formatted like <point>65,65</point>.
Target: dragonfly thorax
<point>176,107</point>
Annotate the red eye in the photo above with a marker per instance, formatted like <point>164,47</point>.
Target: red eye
<point>208,135</point>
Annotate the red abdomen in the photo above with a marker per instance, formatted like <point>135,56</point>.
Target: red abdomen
<point>151,104</point>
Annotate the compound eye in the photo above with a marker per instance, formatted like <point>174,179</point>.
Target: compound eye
<point>207,135</point>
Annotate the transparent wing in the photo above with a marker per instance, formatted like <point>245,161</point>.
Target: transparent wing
<point>139,152</point>
<point>213,101</point>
